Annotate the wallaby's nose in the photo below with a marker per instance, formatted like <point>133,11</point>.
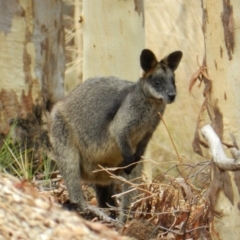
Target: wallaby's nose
<point>171,96</point>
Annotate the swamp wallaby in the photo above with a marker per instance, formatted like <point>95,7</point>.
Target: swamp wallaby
<point>109,122</point>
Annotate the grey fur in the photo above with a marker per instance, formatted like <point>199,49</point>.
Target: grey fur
<point>109,121</point>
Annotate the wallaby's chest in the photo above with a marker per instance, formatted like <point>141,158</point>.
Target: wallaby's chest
<point>143,125</point>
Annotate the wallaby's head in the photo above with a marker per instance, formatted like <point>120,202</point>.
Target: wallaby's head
<point>158,80</point>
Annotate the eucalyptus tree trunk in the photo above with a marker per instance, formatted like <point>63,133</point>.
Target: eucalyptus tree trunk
<point>222,51</point>
<point>32,62</point>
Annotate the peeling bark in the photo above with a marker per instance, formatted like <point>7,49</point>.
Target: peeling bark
<point>228,26</point>
<point>221,42</point>
<point>139,8</point>
<point>32,66</point>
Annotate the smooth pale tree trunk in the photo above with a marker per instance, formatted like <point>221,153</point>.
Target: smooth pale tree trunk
<point>32,61</point>
<point>222,51</point>
<point>113,38</point>
<point>78,37</point>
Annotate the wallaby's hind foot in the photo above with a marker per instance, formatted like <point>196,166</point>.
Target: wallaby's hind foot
<point>90,212</point>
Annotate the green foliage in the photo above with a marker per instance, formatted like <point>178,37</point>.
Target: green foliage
<point>16,161</point>
<point>48,167</point>
<point>21,161</point>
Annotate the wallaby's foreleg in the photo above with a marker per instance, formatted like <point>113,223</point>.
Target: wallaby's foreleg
<point>125,148</point>
<point>105,199</point>
<point>141,147</point>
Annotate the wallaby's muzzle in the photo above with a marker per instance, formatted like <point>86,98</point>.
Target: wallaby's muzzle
<point>171,97</point>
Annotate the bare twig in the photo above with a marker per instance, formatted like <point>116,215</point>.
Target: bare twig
<point>122,179</point>
<point>219,157</point>
<point>174,146</point>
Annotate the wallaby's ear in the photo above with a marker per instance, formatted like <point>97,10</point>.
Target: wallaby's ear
<point>173,59</point>
<point>147,60</point>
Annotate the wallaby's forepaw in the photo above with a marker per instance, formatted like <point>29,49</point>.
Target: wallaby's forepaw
<point>129,169</point>
<point>135,160</point>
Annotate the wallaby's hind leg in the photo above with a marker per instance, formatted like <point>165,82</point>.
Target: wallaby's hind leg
<point>104,196</point>
<point>68,159</point>
<point>105,199</point>
<point>72,171</point>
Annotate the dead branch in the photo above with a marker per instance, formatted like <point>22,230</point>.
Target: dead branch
<point>219,157</point>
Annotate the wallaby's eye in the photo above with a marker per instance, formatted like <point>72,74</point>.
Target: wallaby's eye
<point>157,82</point>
